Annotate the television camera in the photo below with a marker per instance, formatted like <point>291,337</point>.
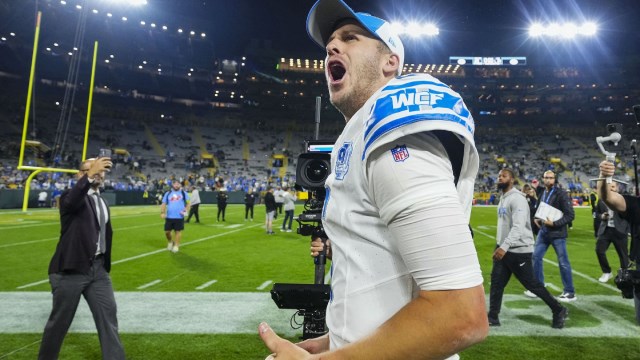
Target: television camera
<point>314,166</point>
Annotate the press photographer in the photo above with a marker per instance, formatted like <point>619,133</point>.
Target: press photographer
<point>628,207</point>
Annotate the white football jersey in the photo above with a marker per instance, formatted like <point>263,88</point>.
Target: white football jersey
<point>373,274</point>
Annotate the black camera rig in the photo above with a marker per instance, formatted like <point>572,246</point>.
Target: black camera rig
<point>626,280</point>
<point>314,166</point>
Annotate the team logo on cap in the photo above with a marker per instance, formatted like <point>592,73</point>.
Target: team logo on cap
<point>400,153</point>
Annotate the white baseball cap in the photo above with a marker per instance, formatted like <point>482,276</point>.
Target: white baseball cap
<point>325,14</point>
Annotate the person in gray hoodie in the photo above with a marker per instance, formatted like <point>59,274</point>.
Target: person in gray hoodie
<point>513,252</point>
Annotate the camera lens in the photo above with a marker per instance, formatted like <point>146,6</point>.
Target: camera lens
<point>317,171</point>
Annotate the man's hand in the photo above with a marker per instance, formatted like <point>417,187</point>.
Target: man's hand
<point>98,166</point>
<point>315,345</point>
<point>548,222</point>
<point>498,254</point>
<point>607,169</point>
<point>164,216</point>
<point>537,222</point>
<point>317,246</point>
<point>605,216</point>
<point>282,349</point>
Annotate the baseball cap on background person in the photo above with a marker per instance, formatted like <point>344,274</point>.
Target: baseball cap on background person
<point>325,15</point>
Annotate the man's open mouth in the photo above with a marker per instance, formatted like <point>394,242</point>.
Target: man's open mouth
<point>336,70</point>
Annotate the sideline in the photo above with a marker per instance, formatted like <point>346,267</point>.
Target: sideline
<point>200,312</point>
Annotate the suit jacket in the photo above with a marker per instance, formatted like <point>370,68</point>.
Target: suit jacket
<point>621,225</point>
<point>79,231</point>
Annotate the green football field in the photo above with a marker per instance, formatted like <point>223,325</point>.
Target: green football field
<point>206,301</point>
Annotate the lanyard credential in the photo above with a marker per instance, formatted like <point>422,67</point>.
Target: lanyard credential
<point>546,200</point>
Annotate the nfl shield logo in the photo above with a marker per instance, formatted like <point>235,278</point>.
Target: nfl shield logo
<point>400,153</point>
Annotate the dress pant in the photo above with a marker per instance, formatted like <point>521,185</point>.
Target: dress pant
<point>619,240</point>
<point>521,267</point>
<point>222,209</point>
<point>97,290</point>
<point>194,211</point>
<point>248,209</point>
<point>560,246</point>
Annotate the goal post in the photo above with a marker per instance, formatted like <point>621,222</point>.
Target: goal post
<point>38,169</point>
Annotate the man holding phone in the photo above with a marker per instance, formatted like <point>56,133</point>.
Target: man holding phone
<point>81,264</point>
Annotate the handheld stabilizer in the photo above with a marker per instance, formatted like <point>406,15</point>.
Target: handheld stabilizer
<point>314,166</point>
<point>615,135</point>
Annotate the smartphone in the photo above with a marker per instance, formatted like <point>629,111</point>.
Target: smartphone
<point>105,153</point>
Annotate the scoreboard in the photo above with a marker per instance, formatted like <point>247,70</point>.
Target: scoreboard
<point>488,60</point>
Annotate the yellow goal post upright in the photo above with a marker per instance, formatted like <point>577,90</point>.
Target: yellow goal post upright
<point>37,169</point>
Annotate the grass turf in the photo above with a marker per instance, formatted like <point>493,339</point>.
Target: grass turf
<point>241,257</point>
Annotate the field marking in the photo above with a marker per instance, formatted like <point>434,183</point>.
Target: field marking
<point>149,284</point>
<point>206,285</point>
<point>56,238</point>
<point>56,222</point>
<point>552,286</point>
<point>183,244</point>
<point>240,313</point>
<point>32,284</point>
<point>582,275</point>
<point>264,285</point>
<point>19,349</point>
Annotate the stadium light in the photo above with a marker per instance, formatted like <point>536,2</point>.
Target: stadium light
<point>130,2</point>
<point>566,30</point>
<point>415,29</point>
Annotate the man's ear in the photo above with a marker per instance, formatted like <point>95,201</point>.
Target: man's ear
<point>391,65</point>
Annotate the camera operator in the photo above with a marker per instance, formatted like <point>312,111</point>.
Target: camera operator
<point>629,209</point>
<point>406,281</point>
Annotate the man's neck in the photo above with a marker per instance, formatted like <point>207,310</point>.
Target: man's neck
<point>507,189</point>
<point>549,187</point>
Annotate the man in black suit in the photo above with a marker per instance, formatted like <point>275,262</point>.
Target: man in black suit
<point>81,264</point>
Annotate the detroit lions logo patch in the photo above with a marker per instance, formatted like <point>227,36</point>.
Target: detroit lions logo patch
<point>400,153</point>
<point>342,161</point>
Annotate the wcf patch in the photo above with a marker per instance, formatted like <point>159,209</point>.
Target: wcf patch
<point>400,153</point>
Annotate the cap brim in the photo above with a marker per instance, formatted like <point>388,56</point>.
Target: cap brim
<point>323,17</point>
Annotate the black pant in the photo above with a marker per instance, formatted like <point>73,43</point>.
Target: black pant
<point>248,208</point>
<point>221,210</point>
<point>279,208</point>
<point>521,266</point>
<point>194,211</point>
<point>619,240</point>
<point>97,290</point>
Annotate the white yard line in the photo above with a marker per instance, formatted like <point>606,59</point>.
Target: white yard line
<point>206,285</point>
<point>149,284</point>
<point>264,285</point>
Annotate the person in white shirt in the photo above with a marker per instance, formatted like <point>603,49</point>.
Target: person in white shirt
<point>195,204</point>
<point>278,194</point>
<point>405,277</point>
<point>289,207</point>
